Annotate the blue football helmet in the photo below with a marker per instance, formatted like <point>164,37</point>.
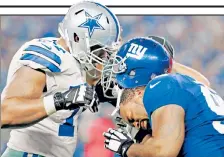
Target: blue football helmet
<point>137,62</point>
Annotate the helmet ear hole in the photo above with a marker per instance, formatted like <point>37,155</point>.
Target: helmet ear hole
<point>76,38</point>
<point>132,73</point>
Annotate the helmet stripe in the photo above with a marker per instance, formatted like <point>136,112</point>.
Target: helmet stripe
<point>114,18</point>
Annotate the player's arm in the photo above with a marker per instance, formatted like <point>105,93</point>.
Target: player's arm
<point>21,98</point>
<point>167,137</point>
<point>180,68</point>
<point>165,102</point>
<point>166,140</point>
<point>22,104</point>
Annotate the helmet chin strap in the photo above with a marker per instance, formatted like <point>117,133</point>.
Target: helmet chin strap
<point>120,91</point>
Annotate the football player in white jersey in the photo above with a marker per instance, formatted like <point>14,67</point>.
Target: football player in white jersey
<point>50,82</point>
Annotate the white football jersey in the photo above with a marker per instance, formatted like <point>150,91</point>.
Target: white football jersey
<point>55,136</point>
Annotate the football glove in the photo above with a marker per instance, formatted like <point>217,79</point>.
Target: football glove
<point>80,96</point>
<point>117,141</point>
<point>127,128</point>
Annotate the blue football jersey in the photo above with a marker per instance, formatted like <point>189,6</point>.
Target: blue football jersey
<point>204,112</point>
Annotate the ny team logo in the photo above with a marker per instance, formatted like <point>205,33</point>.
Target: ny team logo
<point>136,51</point>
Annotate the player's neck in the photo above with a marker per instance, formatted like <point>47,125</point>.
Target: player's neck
<point>62,43</point>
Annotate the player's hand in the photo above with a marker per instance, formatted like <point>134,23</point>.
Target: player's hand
<point>80,96</point>
<point>117,141</point>
<point>120,123</point>
<point>136,134</point>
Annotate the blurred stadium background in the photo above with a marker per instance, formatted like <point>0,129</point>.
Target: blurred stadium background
<point>198,43</point>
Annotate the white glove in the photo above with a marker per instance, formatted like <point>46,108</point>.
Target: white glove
<point>117,141</point>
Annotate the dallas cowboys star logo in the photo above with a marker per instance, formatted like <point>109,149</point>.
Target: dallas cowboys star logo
<point>92,23</point>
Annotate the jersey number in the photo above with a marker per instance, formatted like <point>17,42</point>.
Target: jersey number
<point>216,104</point>
<point>68,128</point>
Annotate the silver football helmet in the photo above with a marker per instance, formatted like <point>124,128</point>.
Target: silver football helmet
<point>92,33</point>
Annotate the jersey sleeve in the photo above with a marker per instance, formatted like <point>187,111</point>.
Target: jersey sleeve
<point>38,55</point>
<point>162,91</point>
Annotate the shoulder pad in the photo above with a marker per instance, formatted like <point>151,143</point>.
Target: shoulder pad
<point>164,90</point>
<point>42,54</point>
<point>160,84</point>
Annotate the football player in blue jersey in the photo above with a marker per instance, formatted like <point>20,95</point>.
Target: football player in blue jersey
<point>176,67</point>
<point>186,116</point>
